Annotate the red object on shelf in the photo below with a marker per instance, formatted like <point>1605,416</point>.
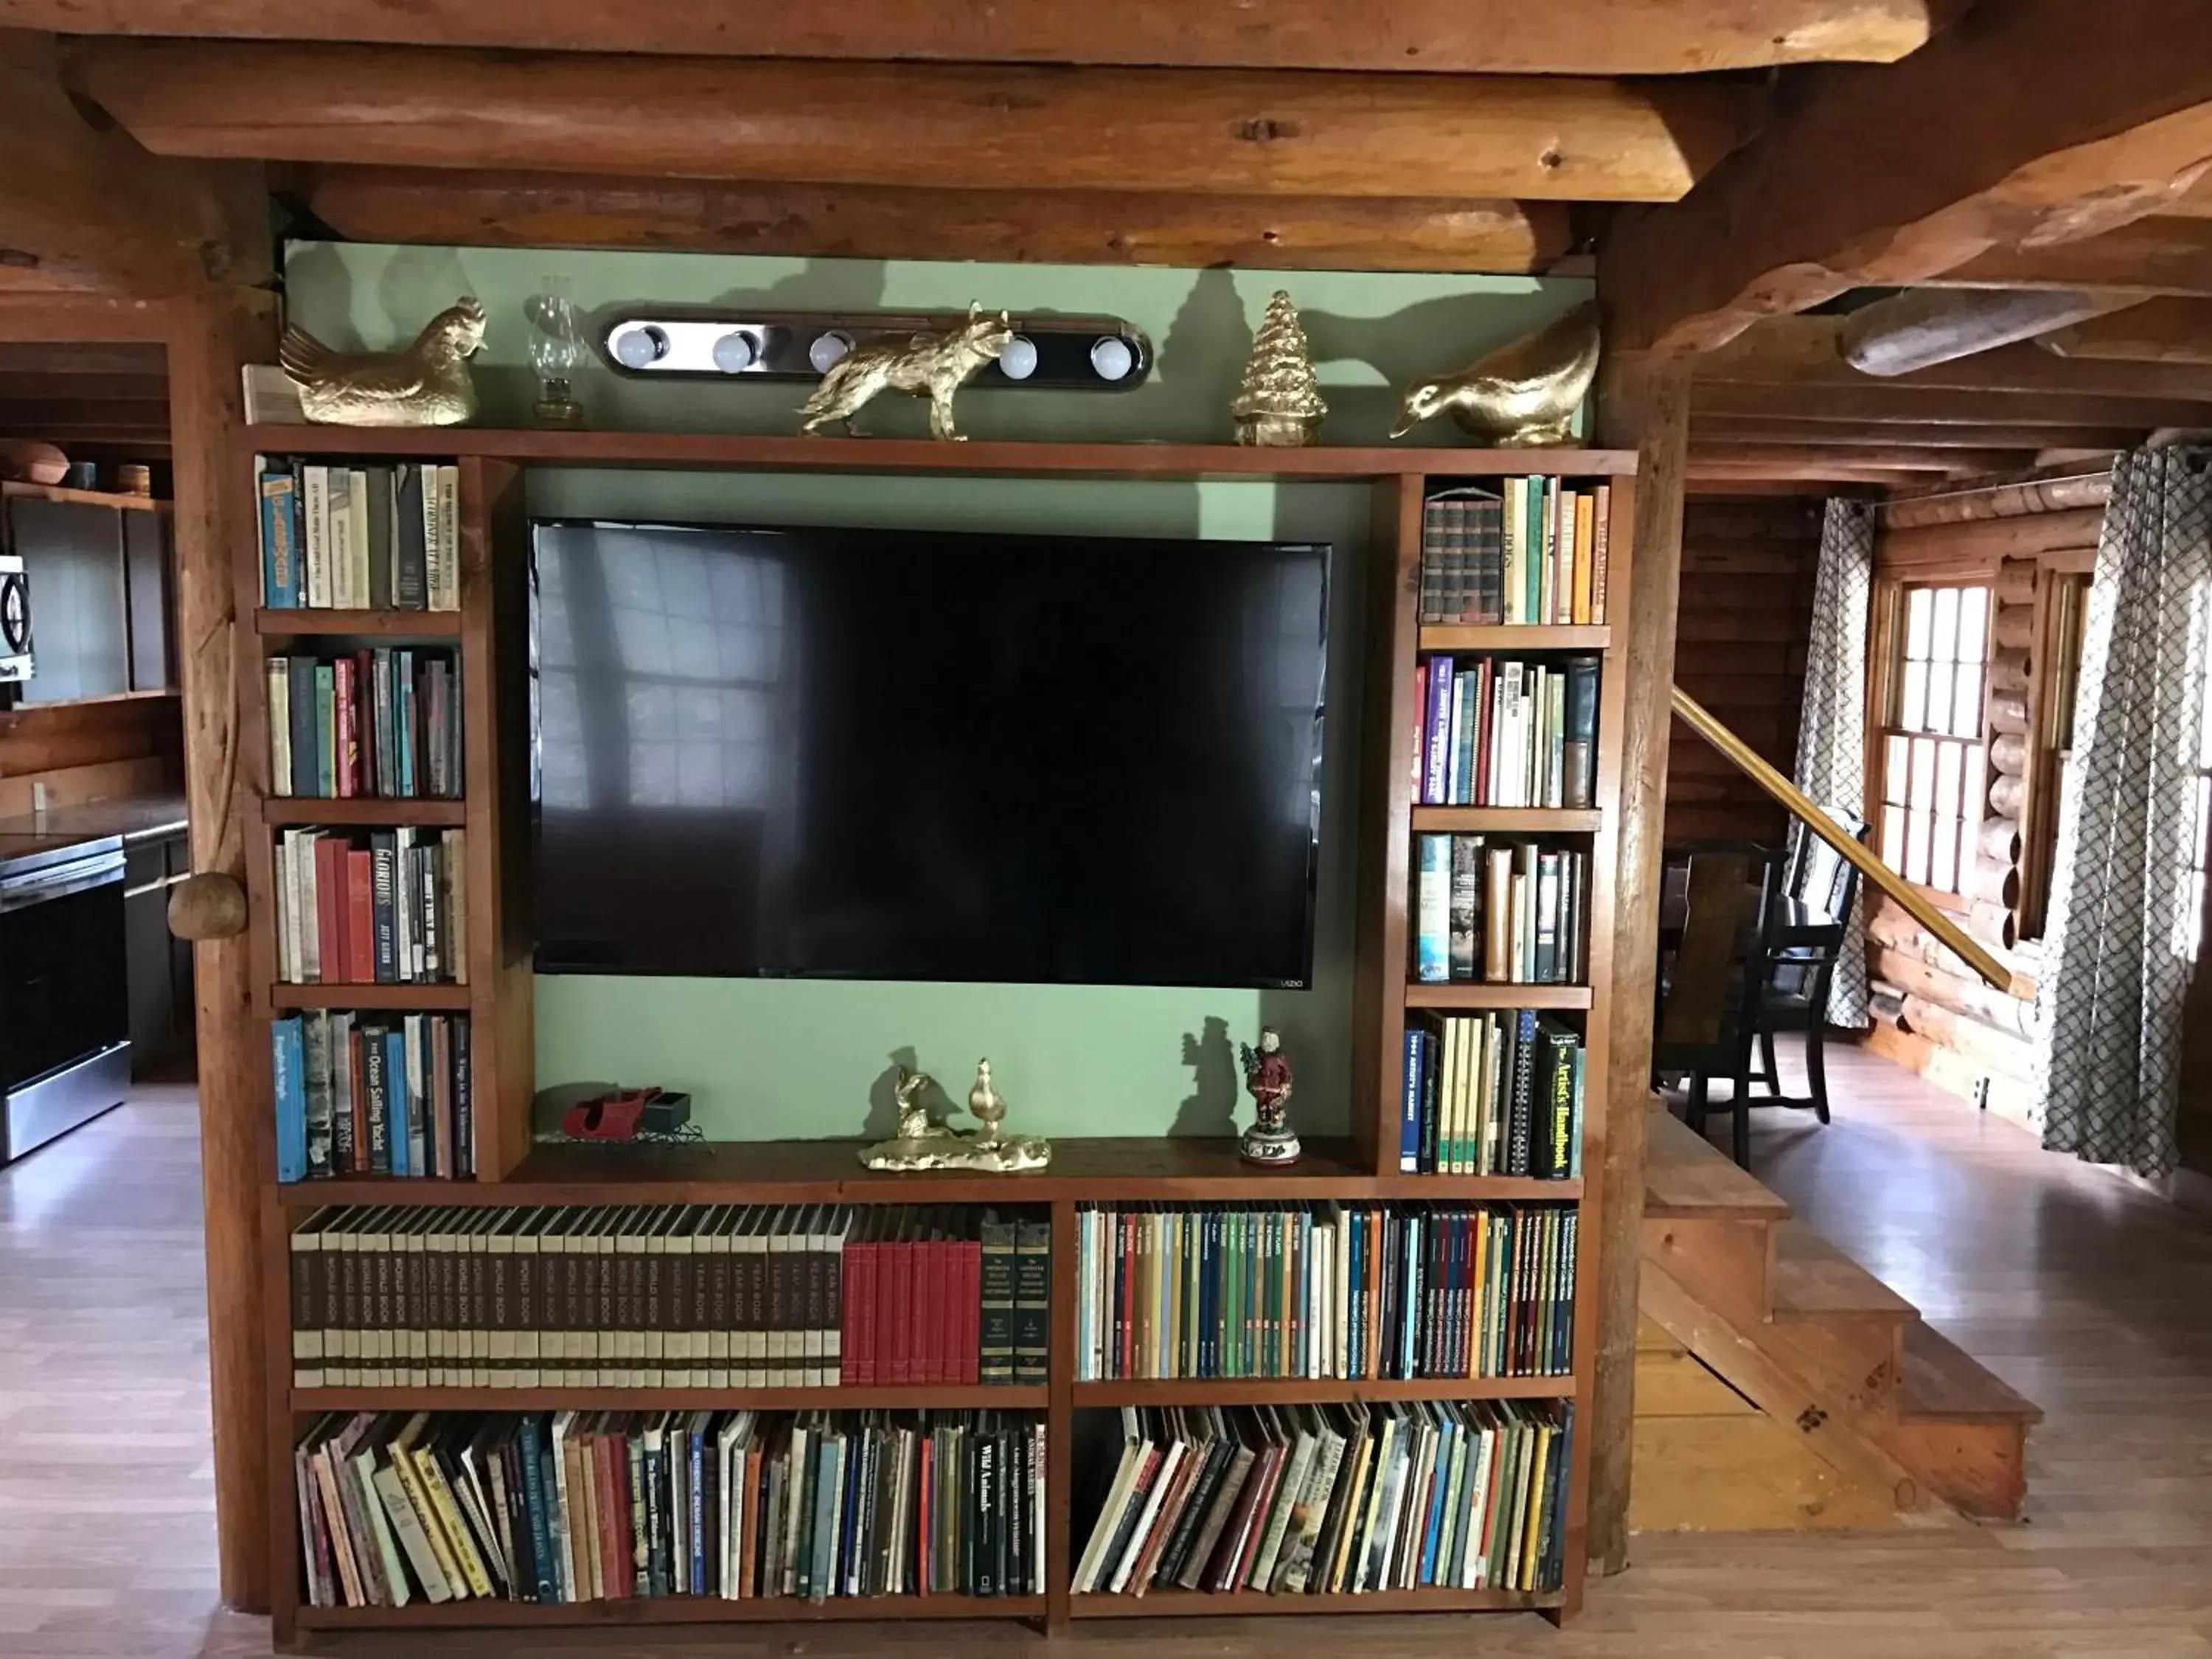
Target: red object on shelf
<point>610,1117</point>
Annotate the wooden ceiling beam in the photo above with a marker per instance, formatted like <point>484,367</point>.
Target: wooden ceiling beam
<point>1541,37</point>
<point>1909,435</point>
<point>1211,132</point>
<point>2168,333</point>
<point>1890,400</point>
<point>1802,352</point>
<point>84,209</point>
<point>2032,122</point>
<point>446,206</point>
<point>1712,460</point>
<point>2153,256</point>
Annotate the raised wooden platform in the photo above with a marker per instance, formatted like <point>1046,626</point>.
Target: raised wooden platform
<point>1780,1385</point>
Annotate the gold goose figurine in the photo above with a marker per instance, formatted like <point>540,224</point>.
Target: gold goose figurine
<point>426,383</point>
<point>1522,395</point>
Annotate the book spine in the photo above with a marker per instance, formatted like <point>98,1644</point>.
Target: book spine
<point>1436,751</point>
<point>1433,911</point>
<point>1410,1128</point>
<point>997,1336</point>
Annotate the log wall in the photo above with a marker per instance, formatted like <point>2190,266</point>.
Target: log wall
<point>99,749</point>
<point>1747,611</point>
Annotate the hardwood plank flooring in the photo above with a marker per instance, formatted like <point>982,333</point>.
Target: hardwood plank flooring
<point>2083,1293</point>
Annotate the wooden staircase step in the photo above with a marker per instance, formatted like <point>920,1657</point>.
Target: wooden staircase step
<point>1940,1380</point>
<point>1686,1177</point>
<point>1814,1279</point>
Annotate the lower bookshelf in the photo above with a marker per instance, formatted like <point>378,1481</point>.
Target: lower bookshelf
<point>670,1610</point>
<point>1183,1604</point>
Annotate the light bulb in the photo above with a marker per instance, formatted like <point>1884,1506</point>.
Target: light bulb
<point>1019,360</point>
<point>734,353</point>
<point>1112,357</point>
<point>828,349</point>
<point>639,345</point>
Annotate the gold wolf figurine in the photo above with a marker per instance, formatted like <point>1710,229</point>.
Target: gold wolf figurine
<point>931,365</point>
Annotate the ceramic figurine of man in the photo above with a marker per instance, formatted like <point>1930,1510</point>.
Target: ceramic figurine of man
<point>1270,1140</point>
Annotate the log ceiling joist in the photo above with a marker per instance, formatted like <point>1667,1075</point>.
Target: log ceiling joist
<point>446,206</point>
<point>2029,123</point>
<point>2161,254</point>
<point>1801,352</point>
<point>2159,332</point>
<point>1913,434</point>
<point>1925,327</point>
<point>1878,401</point>
<point>1710,459</point>
<point>1551,37</point>
<point>84,209</point>
<point>1212,132</point>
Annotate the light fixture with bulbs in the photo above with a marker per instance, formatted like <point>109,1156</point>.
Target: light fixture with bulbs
<point>1053,353</point>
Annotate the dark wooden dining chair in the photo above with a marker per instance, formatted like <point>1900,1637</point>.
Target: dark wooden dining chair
<point>1708,988</point>
<point>1819,885</point>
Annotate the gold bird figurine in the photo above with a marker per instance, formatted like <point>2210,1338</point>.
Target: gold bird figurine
<point>426,383</point>
<point>1520,396</point>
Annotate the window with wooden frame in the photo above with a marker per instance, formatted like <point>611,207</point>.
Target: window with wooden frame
<point>2063,609</point>
<point>1931,771</point>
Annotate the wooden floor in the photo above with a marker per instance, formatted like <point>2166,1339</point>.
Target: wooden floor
<point>2093,1299</point>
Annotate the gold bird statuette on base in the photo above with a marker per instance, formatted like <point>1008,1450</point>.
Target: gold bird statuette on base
<point>1520,396</point>
<point>425,384</point>
<point>923,1143</point>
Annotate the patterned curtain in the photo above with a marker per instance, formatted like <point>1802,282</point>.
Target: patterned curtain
<point>1831,731</point>
<point>2118,935</point>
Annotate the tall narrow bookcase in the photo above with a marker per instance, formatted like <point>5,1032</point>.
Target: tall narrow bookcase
<point>1362,1168</point>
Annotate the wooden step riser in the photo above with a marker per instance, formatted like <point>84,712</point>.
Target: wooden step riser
<point>1727,1264</point>
<point>1981,1468</point>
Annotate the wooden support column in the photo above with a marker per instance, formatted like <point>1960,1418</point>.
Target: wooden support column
<point>214,331</point>
<point>1643,403</point>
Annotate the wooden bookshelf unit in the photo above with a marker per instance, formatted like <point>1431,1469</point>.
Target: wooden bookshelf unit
<point>489,632</point>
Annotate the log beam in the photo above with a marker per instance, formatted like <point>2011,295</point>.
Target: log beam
<point>1857,465</point>
<point>2153,256</point>
<point>1924,326</point>
<point>1876,400</point>
<point>1933,434</point>
<point>446,206</point>
<point>86,209</point>
<point>2159,331</point>
<point>1804,352</point>
<point>1593,37</point>
<point>1215,132</point>
<point>2038,121</point>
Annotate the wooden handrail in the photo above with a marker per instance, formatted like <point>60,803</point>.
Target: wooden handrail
<point>1803,808</point>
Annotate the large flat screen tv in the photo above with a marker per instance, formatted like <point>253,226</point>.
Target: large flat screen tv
<point>895,755</point>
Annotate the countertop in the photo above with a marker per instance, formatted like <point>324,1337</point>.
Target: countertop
<point>138,817</point>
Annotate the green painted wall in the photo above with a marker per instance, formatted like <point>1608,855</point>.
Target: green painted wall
<point>771,1058</point>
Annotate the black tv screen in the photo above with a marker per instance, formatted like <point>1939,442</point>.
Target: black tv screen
<point>897,755</point>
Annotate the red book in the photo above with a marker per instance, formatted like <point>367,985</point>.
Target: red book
<point>856,1369</point>
<point>329,927</point>
<point>883,1352</point>
<point>924,1537</point>
<point>968,1295</point>
<point>342,706</point>
<point>1246,1526</point>
<point>930,1343</point>
<point>1485,678</point>
<point>361,917</point>
<point>902,1287</point>
<point>607,1453</point>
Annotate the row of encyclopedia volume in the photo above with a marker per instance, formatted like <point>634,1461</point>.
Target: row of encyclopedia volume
<point>614,1506</point>
<point>1328,1499</point>
<point>375,538</point>
<point>384,907</point>
<point>1399,1291</point>
<point>721,1295</point>
<point>370,1094</point>
<point>1502,910</point>
<point>1533,550</point>
<point>1494,1094</point>
<point>1499,732</point>
<point>382,722</point>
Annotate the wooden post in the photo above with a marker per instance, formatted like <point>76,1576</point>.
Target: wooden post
<point>1643,404</point>
<point>212,333</point>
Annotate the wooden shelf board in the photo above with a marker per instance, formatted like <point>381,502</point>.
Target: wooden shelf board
<point>1510,820</point>
<point>829,1171</point>
<point>1486,995</point>
<point>408,998</point>
<point>1292,1391</point>
<point>670,1610</point>
<point>895,455</point>
<point>122,500</point>
<point>926,1397</point>
<point>385,624</point>
<point>1513,636</point>
<point>1183,1604</point>
<point>303,810</point>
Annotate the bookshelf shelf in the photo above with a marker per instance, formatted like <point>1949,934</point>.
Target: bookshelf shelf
<point>923,1397</point>
<point>1497,996</point>
<point>1183,1604</point>
<point>1513,636</point>
<point>302,811</point>
<point>829,1171</point>
<point>1301,1391</point>
<point>669,1610</point>
<point>1509,820</point>
<point>385,624</point>
<point>407,999</point>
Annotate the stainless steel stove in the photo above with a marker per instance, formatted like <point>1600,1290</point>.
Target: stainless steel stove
<point>64,998</point>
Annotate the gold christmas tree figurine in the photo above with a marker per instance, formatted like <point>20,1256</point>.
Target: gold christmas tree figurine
<point>1278,405</point>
